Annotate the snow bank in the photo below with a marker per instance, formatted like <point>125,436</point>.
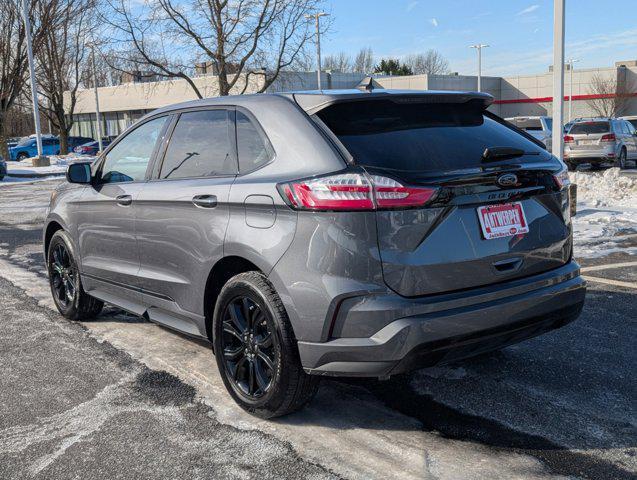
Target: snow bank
<point>606,189</point>
<point>606,219</point>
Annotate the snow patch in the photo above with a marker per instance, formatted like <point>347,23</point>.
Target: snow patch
<point>606,219</point>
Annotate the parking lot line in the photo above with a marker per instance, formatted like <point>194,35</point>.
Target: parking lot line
<point>593,268</point>
<point>608,281</point>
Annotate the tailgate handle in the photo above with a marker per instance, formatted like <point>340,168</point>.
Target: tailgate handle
<point>508,265</point>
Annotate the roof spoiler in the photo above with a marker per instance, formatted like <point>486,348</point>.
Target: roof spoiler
<point>313,102</point>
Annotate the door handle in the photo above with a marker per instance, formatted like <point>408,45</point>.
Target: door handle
<point>124,200</point>
<point>205,201</point>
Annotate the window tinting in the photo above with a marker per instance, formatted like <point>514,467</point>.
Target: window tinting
<point>127,161</point>
<point>633,122</point>
<point>253,149</point>
<point>199,146</point>
<point>420,136</point>
<point>589,127</point>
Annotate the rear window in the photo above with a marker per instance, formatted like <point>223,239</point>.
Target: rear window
<point>633,122</point>
<point>419,136</point>
<point>590,127</point>
<point>528,124</point>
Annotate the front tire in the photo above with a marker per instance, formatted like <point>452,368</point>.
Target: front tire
<point>256,350</point>
<point>64,278</point>
<point>22,156</point>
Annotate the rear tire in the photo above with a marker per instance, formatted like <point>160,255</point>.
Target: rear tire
<point>622,159</point>
<point>64,278</point>
<point>256,350</point>
<point>22,156</point>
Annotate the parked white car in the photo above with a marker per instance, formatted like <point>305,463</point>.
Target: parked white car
<point>539,127</point>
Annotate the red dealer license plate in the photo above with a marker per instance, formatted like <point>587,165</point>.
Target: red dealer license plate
<point>502,220</point>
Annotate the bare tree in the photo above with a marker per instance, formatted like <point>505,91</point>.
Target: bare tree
<point>341,62</point>
<point>241,40</point>
<point>61,60</point>
<point>364,61</point>
<point>612,95</point>
<point>431,63</point>
<point>13,63</point>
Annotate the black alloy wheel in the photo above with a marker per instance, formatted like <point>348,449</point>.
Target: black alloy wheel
<point>250,348</point>
<point>64,275</point>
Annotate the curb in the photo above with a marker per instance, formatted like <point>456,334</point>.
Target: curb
<point>13,173</point>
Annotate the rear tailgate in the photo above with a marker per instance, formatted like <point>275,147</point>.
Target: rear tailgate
<point>444,247</point>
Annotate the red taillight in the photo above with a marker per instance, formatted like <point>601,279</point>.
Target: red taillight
<point>609,137</point>
<point>354,191</point>
<point>568,139</point>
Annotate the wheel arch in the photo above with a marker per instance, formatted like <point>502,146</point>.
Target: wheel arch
<point>221,272</point>
<point>51,227</point>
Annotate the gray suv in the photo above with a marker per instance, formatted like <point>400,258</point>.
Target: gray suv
<point>344,233</point>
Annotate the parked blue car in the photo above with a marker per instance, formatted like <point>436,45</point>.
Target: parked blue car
<point>50,146</point>
<point>3,168</point>
<point>27,148</point>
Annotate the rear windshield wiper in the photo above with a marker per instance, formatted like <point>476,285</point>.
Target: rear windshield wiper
<point>494,154</point>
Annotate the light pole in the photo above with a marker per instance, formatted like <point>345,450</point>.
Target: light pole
<point>316,16</point>
<point>97,99</point>
<point>34,85</point>
<point>570,63</point>
<point>479,48</point>
<point>558,79</point>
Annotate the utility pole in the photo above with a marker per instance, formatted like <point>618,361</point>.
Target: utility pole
<point>558,79</point>
<point>316,16</point>
<point>97,100</point>
<point>570,63</point>
<point>34,85</point>
<point>479,48</point>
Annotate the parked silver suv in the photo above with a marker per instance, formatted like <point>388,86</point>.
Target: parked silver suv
<point>323,233</point>
<point>600,141</point>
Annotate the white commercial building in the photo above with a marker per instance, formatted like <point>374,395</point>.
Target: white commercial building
<point>523,95</point>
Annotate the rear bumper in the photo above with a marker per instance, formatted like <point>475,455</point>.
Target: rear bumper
<point>602,155</point>
<point>449,327</point>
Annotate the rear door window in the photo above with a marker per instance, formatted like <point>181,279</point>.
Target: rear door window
<point>199,146</point>
<point>588,128</point>
<point>422,137</point>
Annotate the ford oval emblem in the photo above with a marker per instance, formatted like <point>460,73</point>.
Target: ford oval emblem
<point>507,180</point>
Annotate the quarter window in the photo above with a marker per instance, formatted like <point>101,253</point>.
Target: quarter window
<point>253,149</point>
<point>199,146</point>
<point>127,161</point>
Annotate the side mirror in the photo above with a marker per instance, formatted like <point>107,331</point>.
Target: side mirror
<point>79,172</point>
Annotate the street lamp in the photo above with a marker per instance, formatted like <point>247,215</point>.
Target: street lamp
<point>97,99</point>
<point>558,79</point>
<point>479,48</point>
<point>34,85</point>
<point>570,63</point>
<point>316,16</point>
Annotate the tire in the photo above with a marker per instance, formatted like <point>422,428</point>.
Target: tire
<point>571,166</point>
<point>259,329</point>
<point>622,159</point>
<point>73,303</point>
<point>22,156</point>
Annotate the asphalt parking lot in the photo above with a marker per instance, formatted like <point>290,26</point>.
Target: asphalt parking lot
<point>122,398</point>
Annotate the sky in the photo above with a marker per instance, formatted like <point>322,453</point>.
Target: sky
<point>519,32</point>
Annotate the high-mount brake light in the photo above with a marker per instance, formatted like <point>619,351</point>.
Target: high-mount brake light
<point>353,191</point>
